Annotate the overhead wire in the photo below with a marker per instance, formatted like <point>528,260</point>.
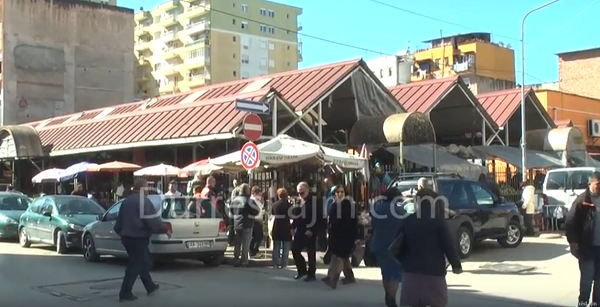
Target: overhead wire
<point>570,21</point>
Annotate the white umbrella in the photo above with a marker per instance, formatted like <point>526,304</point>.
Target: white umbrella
<point>49,175</point>
<point>162,170</point>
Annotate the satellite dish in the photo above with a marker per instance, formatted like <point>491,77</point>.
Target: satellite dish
<point>141,8</point>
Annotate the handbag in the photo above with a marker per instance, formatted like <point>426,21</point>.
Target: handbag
<point>397,247</point>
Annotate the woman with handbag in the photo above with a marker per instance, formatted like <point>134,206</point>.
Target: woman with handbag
<point>386,221</point>
<point>281,229</point>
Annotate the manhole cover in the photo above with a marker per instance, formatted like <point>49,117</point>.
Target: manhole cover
<point>507,268</point>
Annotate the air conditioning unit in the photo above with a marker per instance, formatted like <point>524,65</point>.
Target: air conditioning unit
<point>594,128</point>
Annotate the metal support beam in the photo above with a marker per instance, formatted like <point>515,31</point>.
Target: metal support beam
<point>506,135</point>
<point>299,121</point>
<point>274,102</point>
<point>496,135</point>
<point>320,121</point>
<point>483,134</point>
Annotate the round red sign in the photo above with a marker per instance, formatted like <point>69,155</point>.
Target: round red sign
<point>253,127</point>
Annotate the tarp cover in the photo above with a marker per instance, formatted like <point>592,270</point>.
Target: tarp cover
<point>284,149</point>
<point>446,162</point>
<point>512,155</point>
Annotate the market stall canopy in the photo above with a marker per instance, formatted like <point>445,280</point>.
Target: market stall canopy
<point>512,155</point>
<point>161,170</point>
<point>557,139</point>
<point>446,162</point>
<point>72,171</point>
<point>203,167</point>
<point>284,149</point>
<point>49,175</point>
<point>115,166</point>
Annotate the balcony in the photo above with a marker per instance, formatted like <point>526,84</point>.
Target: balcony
<point>142,15</point>
<point>165,21</point>
<point>195,28</point>
<point>196,80</point>
<point>141,46</point>
<point>140,31</point>
<point>421,75</point>
<point>169,5</point>
<point>142,77</point>
<point>192,63</point>
<point>464,66</point>
<point>167,88</point>
<point>195,10</point>
<point>167,71</point>
<point>142,61</point>
<point>170,54</point>
<point>169,36</point>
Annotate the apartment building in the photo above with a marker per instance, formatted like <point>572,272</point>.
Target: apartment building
<point>579,72</point>
<point>181,45</point>
<point>63,56</point>
<point>484,65</point>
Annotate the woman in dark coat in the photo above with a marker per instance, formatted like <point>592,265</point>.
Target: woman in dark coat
<point>343,232</point>
<point>281,231</point>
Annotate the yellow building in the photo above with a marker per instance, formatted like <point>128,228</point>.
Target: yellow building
<point>485,66</point>
<point>571,109</point>
<point>182,45</point>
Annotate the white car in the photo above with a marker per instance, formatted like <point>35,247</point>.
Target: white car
<point>194,236</point>
<point>563,185</point>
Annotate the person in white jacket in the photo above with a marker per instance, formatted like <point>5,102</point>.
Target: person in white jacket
<point>528,206</point>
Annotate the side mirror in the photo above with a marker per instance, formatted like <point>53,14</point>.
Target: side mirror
<point>99,217</point>
<point>47,213</point>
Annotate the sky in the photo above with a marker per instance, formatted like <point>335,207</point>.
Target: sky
<point>336,30</point>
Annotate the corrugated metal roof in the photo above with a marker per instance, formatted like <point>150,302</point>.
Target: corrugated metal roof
<point>203,117</point>
<point>501,105</point>
<point>423,96</point>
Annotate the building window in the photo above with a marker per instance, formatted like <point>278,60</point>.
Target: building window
<point>271,63</point>
<point>438,63</point>
<point>271,13</point>
<point>234,21</point>
<point>234,55</point>
<point>288,47</point>
<point>263,62</point>
<point>263,12</point>
<point>245,59</point>
<point>234,4</point>
<point>245,42</point>
<point>263,45</point>
<point>194,54</point>
<point>272,30</point>
<point>446,61</point>
<point>288,64</point>
<point>245,25</point>
<point>271,46</point>
<point>263,28</point>
<point>234,38</point>
<point>245,75</point>
<point>234,73</point>
<point>287,16</point>
<point>389,72</point>
<point>245,8</point>
<point>381,73</point>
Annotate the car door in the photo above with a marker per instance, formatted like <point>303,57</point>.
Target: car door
<point>577,184</point>
<point>44,223</point>
<point>493,218</point>
<point>461,202</point>
<point>555,188</point>
<point>105,238</point>
<point>29,219</point>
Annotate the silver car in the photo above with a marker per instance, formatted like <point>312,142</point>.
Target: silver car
<point>201,236</point>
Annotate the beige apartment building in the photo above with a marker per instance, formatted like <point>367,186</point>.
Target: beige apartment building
<point>579,72</point>
<point>181,45</point>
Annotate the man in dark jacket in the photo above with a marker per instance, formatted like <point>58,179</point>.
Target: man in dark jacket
<point>242,215</point>
<point>583,234</point>
<point>306,226</point>
<point>136,222</point>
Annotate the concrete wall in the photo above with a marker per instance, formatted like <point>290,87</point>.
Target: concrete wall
<point>578,72</point>
<point>64,56</point>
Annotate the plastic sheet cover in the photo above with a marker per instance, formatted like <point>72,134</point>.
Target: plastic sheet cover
<point>371,99</point>
<point>512,155</point>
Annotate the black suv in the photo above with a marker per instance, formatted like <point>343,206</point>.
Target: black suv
<point>476,214</point>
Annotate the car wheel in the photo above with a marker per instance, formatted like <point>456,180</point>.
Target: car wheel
<point>24,238</point>
<point>60,242</point>
<point>89,249</point>
<point>214,261</point>
<point>464,242</point>
<point>514,235</point>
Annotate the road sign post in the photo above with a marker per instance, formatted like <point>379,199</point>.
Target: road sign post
<point>253,127</point>
<point>249,156</point>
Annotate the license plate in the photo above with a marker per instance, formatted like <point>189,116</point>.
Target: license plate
<point>198,244</point>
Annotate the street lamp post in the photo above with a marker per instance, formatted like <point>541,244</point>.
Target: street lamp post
<point>523,130</point>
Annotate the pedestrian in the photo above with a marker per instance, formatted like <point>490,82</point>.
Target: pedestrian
<point>257,230</point>
<point>172,192</point>
<point>386,221</point>
<point>242,215</point>
<point>426,245</point>
<point>305,226</point>
<point>583,234</point>
<point>329,192</point>
<point>136,222</point>
<point>528,207</point>
<point>281,231</point>
<point>193,183</point>
<point>343,235</point>
<point>209,191</point>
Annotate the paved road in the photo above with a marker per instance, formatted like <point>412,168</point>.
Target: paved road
<point>39,276</point>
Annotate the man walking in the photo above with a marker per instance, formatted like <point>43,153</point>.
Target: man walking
<point>583,234</point>
<point>305,228</point>
<point>242,215</point>
<point>136,222</point>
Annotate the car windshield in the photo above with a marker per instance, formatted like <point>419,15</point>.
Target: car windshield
<point>14,202</point>
<point>404,186</point>
<point>76,206</point>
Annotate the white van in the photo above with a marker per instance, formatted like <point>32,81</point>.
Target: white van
<point>563,185</point>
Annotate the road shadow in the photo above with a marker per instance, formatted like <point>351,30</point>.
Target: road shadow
<point>495,272</point>
<point>490,251</point>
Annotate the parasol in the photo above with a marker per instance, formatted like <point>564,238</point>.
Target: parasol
<point>49,175</point>
<point>162,170</point>
<point>115,166</point>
